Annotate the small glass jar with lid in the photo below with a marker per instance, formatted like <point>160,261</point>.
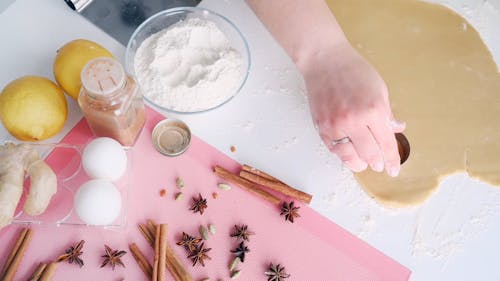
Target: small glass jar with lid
<point>111,101</point>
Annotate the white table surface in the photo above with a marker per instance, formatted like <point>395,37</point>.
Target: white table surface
<point>453,236</point>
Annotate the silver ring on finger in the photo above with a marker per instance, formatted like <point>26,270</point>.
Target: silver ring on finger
<point>341,141</point>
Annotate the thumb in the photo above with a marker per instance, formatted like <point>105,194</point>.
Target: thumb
<point>397,126</point>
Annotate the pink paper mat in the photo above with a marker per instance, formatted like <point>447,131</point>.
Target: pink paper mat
<point>313,248</point>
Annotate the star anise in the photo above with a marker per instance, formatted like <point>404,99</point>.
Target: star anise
<point>112,257</point>
<point>240,251</point>
<point>199,255</point>
<point>199,204</point>
<point>242,232</point>
<point>290,211</point>
<point>276,273</point>
<point>72,254</point>
<point>189,242</point>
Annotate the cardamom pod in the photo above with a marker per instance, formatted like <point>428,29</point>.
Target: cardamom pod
<point>203,232</point>
<point>212,229</point>
<point>179,182</point>
<point>235,274</point>
<point>224,186</point>
<point>179,196</point>
<point>234,264</point>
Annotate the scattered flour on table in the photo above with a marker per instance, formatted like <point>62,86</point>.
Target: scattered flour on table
<point>460,212</point>
<point>189,66</point>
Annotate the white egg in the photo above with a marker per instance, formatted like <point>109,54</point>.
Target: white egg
<point>104,158</point>
<point>98,202</point>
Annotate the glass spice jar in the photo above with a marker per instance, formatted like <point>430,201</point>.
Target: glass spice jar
<point>111,101</point>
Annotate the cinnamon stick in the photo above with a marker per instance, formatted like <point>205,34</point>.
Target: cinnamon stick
<point>163,252</point>
<point>156,261</point>
<point>277,186</point>
<point>17,254</point>
<point>175,267</point>
<point>38,272</point>
<point>14,251</point>
<point>141,260</point>
<point>255,171</point>
<point>147,235</point>
<point>173,264</point>
<point>245,184</point>
<point>151,226</point>
<point>49,271</point>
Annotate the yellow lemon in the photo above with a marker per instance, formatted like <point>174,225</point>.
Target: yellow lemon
<point>70,60</point>
<point>33,108</point>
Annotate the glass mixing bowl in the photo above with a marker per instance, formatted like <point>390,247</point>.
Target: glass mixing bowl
<point>165,19</point>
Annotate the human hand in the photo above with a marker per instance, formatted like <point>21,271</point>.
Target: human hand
<point>348,98</point>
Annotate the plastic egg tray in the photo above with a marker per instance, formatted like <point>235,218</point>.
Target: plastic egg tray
<point>65,160</point>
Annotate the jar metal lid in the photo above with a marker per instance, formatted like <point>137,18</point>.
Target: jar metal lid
<point>102,76</point>
<point>171,137</point>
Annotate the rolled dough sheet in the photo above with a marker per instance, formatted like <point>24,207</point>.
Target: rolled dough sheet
<point>442,81</point>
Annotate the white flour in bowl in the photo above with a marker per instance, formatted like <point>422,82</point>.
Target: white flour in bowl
<point>189,66</point>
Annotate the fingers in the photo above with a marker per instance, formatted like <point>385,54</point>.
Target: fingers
<point>374,145</point>
<point>345,152</point>
<point>383,133</point>
<point>371,134</point>
<point>367,148</point>
<point>349,157</point>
